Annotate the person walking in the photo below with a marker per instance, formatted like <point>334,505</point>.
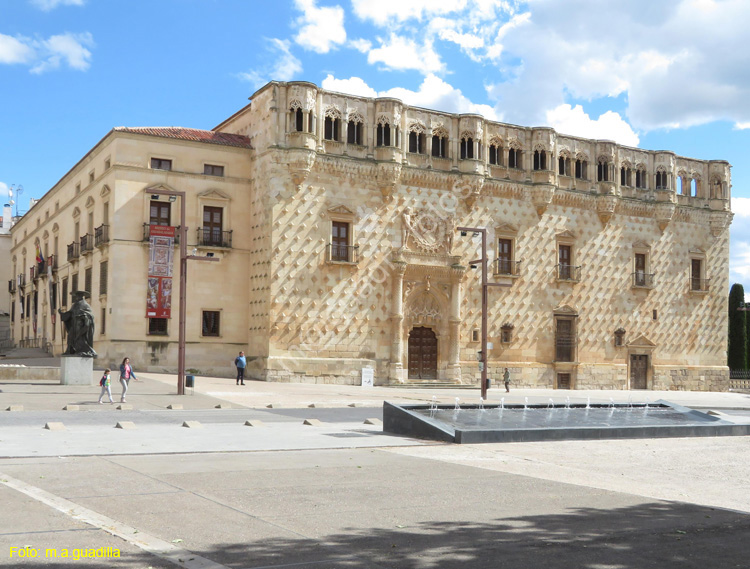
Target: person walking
<point>126,373</point>
<point>241,363</point>
<point>506,380</point>
<point>104,382</point>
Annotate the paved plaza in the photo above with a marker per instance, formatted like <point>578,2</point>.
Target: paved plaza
<point>340,493</point>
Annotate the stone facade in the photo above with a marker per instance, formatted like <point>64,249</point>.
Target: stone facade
<point>346,254</point>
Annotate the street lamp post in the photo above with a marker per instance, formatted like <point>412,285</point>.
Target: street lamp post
<point>184,257</point>
<point>482,356</point>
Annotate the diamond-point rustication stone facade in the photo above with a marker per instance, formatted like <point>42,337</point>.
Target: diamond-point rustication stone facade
<point>345,252</point>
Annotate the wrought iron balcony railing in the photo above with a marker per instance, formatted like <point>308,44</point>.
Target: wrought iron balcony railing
<point>699,285</point>
<point>208,237</point>
<point>74,251</point>
<point>101,235</point>
<point>507,267</point>
<point>87,243</point>
<point>33,274</point>
<point>565,347</point>
<point>342,253</point>
<point>147,233</point>
<point>643,280</point>
<point>568,272</point>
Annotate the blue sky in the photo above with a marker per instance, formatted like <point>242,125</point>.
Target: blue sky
<point>670,75</point>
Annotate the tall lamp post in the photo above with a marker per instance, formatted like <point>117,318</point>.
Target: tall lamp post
<point>482,357</point>
<point>184,258</point>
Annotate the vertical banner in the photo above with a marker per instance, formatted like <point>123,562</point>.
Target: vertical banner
<point>161,253</point>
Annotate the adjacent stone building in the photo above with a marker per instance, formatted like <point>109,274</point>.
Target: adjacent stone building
<point>335,218</point>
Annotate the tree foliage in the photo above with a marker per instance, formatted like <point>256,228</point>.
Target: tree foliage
<point>737,348</point>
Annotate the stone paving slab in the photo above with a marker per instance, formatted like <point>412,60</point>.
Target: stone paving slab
<point>366,508</point>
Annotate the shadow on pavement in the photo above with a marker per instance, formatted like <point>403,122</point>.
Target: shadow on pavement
<point>651,535</point>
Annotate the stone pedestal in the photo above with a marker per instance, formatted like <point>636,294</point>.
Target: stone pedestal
<point>75,370</point>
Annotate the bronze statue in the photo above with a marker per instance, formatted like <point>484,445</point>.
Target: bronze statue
<point>79,324</point>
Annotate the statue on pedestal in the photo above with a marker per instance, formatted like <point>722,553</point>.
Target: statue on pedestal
<point>79,325</point>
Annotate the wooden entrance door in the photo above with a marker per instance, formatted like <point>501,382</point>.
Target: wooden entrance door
<point>422,354</point>
<point>638,371</point>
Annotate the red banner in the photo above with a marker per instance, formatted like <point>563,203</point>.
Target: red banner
<point>160,260</point>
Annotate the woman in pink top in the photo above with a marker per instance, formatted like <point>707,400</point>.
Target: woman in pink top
<point>126,373</point>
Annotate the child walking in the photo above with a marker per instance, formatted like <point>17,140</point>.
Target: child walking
<point>104,382</point>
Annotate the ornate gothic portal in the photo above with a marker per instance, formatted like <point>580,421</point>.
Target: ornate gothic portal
<point>423,353</point>
<point>425,317</point>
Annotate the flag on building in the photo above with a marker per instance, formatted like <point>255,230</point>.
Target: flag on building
<point>39,256</point>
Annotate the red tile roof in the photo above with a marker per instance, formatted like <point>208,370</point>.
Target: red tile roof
<point>194,134</point>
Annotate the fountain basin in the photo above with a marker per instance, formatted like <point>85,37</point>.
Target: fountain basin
<point>525,423</point>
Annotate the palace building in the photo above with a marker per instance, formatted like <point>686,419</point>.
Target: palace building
<point>334,218</point>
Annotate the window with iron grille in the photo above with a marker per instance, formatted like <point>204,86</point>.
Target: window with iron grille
<point>103,322</point>
<point>157,326</point>
<point>565,340</point>
<point>87,280</point>
<point>161,164</point>
<point>213,170</point>
<point>74,283</point>
<point>103,271</point>
<point>64,296</point>
<point>211,323</point>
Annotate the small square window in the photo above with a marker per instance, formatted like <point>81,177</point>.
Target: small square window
<point>157,326</point>
<point>620,337</point>
<point>213,170</point>
<point>211,323</point>
<point>107,164</point>
<point>506,333</point>
<point>161,164</point>
<point>475,335</point>
<point>78,188</point>
<point>91,176</point>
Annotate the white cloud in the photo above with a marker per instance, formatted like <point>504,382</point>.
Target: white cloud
<point>402,53</point>
<point>48,5</point>
<point>44,55</point>
<point>574,121</point>
<point>742,125</point>
<point>433,93</point>
<point>321,29</point>
<point>361,45</point>
<point>385,11</point>
<point>65,48</point>
<point>351,86</point>
<point>285,66</point>
<point>466,41</point>
<point>13,50</point>
<point>4,192</point>
<point>677,61</point>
